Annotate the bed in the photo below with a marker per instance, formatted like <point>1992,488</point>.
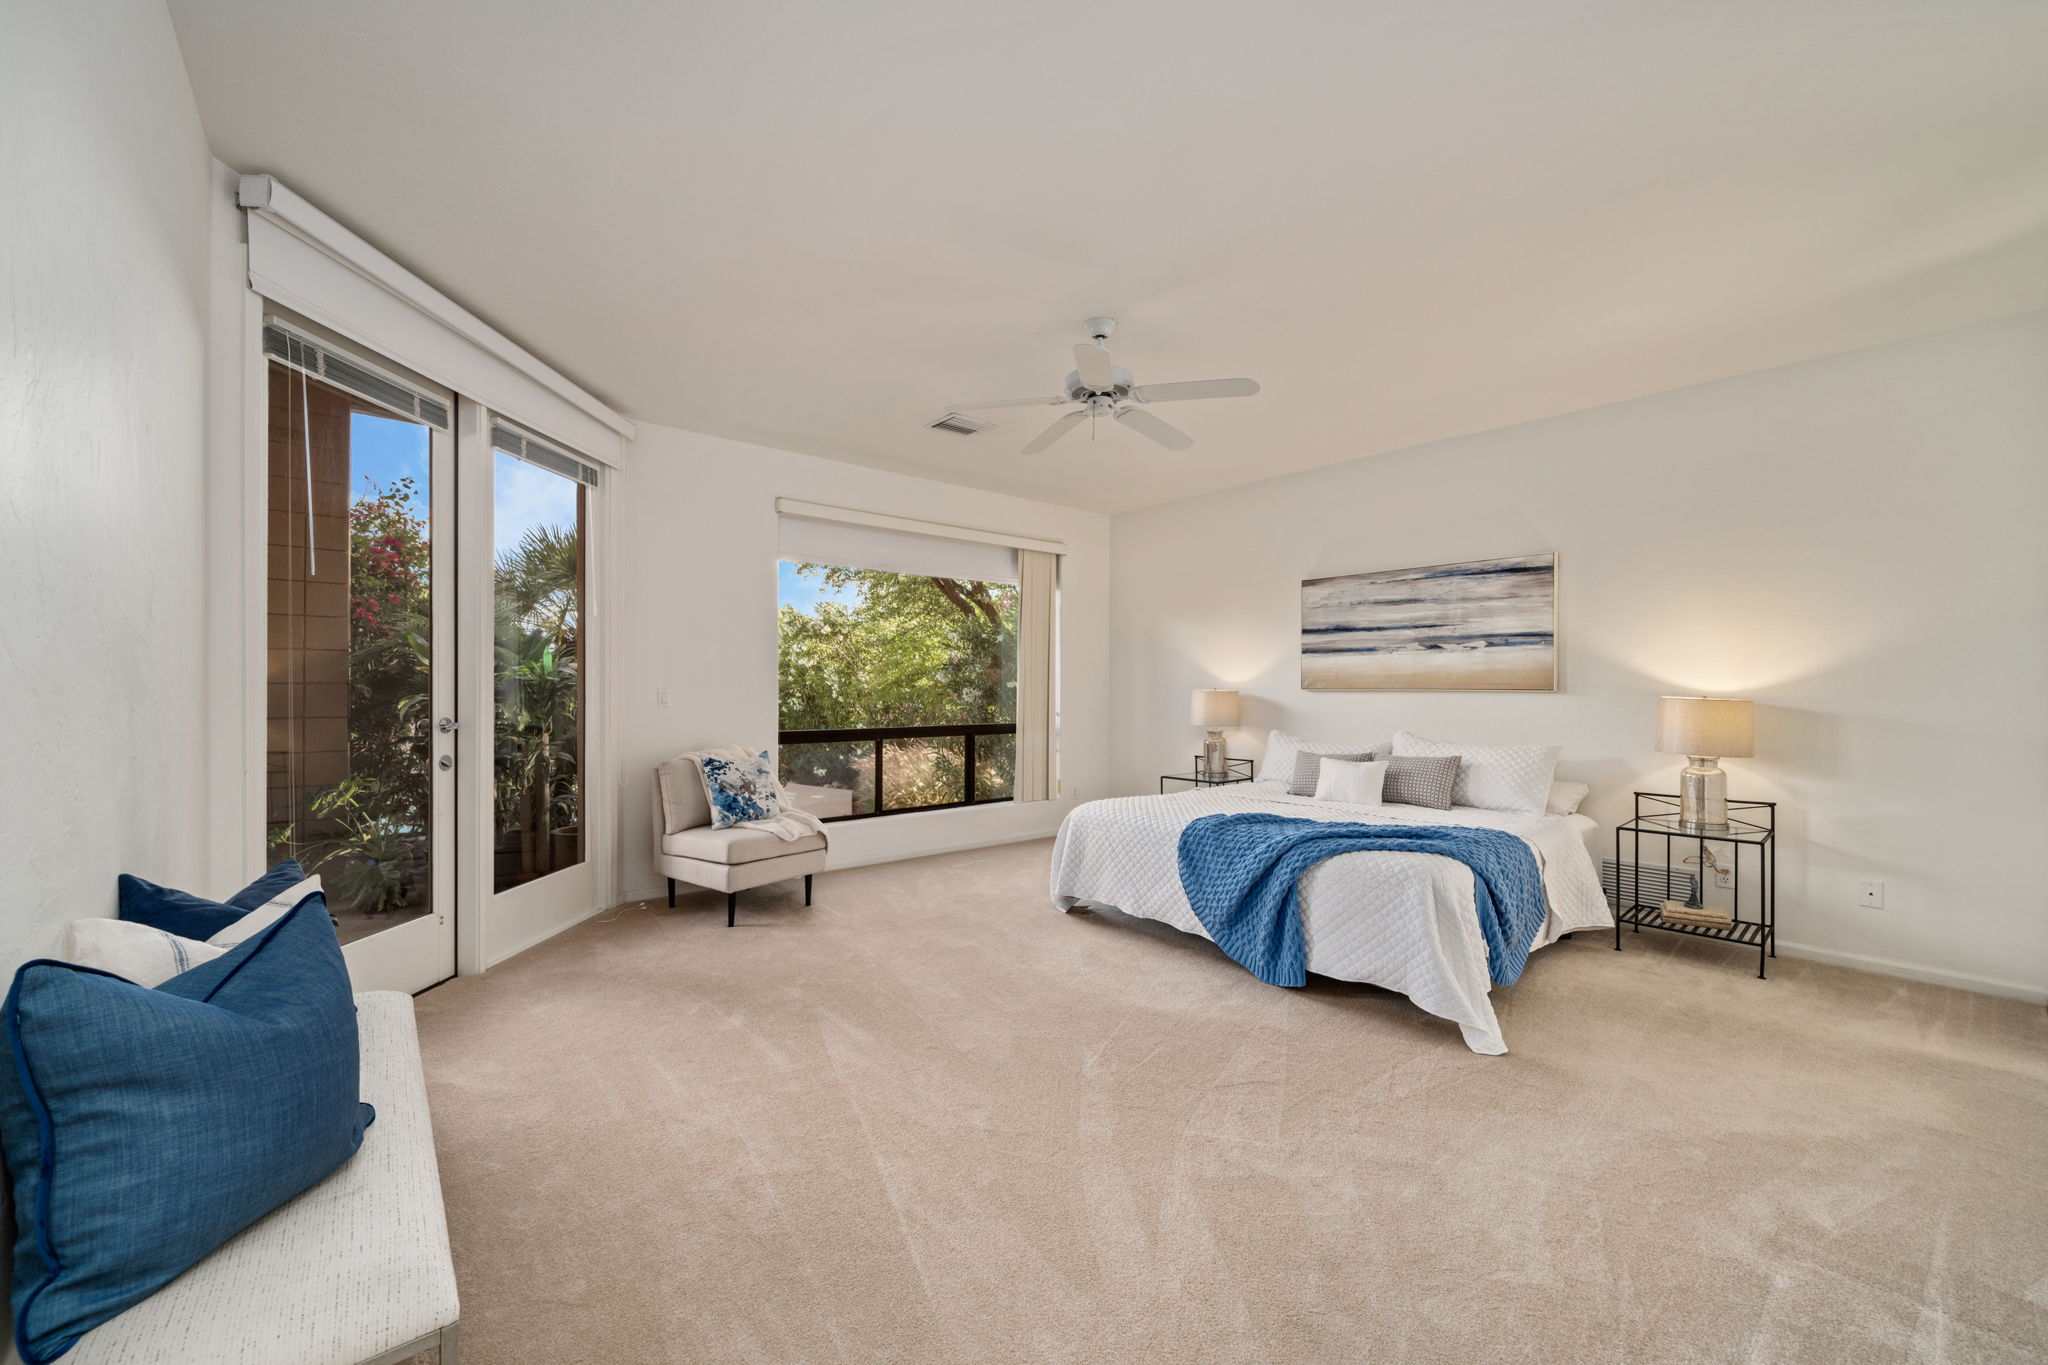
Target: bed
<point>1404,921</point>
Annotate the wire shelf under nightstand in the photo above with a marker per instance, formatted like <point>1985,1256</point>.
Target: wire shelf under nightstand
<point>1751,825</point>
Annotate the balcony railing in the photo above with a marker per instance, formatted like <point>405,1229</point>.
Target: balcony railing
<point>892,769</point>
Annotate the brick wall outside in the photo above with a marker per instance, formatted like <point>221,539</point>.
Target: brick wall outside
<point>309,606</point>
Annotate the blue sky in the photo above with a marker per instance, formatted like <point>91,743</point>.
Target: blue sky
<point>383,450</point>
<point>803,593</point>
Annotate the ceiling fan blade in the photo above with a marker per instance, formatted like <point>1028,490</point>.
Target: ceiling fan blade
<point>1195,388</point>
<point>1010,403</point>
<point>1054,432</point>
<point>1146,425</point>
<point>1093,363</point>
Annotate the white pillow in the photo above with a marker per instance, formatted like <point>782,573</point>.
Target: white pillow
<point>1492,776</point>
<point>264,915</point>
<point>150,957</point>
<point>1341,779</point>
<point>1565,797</point>
<point>146,956</point>
<point>1282,749</point>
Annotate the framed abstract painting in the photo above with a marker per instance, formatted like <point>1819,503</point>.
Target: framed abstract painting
<point>1486,626</point>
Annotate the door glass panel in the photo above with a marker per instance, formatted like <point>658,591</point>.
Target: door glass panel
<point>538,622</point>
<point>349,770</point>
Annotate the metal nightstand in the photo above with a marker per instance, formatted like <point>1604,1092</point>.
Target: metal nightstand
<point>1240,771</point>
<point>1751,824</point>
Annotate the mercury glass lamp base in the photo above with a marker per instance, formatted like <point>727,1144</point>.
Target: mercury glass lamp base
<point>1703,798</point>
<point>1214,763</point>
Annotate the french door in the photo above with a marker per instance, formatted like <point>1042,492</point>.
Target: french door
<point>360,740</point>
<point>526,665</point>
<point>428,579</point>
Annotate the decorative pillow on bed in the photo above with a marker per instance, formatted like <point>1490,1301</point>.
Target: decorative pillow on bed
<point>1358,782</point>
<point>1284,750</point>
<point>1495,776</point>
<point>1565,797</point>
<point>1308,765</point>
<point>740,790</point>
<point>1415,781</point>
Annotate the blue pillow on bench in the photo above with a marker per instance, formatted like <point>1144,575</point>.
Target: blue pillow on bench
<point>143,1128</point>
<point>190,916</point>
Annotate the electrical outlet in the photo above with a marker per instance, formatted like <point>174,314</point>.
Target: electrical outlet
<point>661,696</point>
<point>1870,895</point>
<point>1724,877</point>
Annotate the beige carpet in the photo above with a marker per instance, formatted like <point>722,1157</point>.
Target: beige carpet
<point>933,1120</point>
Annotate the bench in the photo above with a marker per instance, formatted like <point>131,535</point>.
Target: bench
<point>354,1271</point>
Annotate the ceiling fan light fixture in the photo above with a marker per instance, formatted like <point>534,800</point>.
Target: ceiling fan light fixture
<point>1097,386</point>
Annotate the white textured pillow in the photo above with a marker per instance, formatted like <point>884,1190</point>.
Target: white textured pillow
<point>1565,797</point>
<point>1342,779</point>
<point>1282,749</point>
<point>146,956</point>
<point>264,915</point>
<point>1492,776</point>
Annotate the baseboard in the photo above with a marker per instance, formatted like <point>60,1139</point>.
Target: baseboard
<point>1884,966</point>
<point>660,890</point>
<point>963,846</point>
<point>541,938</point>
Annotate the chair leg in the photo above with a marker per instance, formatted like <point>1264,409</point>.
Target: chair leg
<point>807,888</point>
<point>671,893</point>
<point>732,900</point>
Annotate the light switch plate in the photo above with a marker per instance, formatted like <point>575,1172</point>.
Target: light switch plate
<point>661,696</point>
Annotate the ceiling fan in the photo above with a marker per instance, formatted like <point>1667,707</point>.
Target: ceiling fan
<point>1100,389</point>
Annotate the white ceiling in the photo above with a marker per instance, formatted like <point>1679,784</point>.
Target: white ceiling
<point>813,225</point>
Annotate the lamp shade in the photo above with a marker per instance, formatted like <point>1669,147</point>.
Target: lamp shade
<point>1214,708</point>
<point>1710,727</point>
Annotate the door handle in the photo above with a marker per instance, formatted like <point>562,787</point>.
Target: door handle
<point>449,725</point>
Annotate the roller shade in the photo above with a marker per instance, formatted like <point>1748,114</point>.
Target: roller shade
<point>304,261</point>
<point>334,366</point>
<point>807,540</point>
<point>522,445</point>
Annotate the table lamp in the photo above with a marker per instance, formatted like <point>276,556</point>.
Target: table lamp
<point>1705,729</point>
<point>1215,709</point>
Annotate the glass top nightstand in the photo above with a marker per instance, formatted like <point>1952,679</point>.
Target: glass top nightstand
<point>1752,825</point>
<point>1240,770</point>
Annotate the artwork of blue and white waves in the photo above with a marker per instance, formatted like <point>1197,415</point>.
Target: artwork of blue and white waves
<point>1486,626</point>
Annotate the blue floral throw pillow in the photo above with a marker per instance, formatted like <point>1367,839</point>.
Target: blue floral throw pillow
<point>741,790</point>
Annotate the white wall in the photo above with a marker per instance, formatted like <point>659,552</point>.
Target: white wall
<point>1856,542</point>
<point>103,665</point>
<point>697,566</point>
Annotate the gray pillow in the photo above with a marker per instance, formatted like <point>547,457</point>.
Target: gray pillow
<point>1307,767</point>
<point>1415,781</point>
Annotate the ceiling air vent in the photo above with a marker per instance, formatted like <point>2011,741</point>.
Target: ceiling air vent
<point>958,425</point>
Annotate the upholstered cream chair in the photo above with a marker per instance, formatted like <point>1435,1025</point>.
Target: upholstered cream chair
<point>687,848</point>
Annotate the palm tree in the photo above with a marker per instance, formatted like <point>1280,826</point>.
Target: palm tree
<point>539,616</point>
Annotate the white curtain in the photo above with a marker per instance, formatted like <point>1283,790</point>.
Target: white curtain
<point>1038,575</point>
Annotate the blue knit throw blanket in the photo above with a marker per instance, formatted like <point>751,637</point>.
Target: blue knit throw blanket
<point>1242,877</point>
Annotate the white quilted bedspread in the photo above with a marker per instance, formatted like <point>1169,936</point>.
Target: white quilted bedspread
<point>1405,921</point>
